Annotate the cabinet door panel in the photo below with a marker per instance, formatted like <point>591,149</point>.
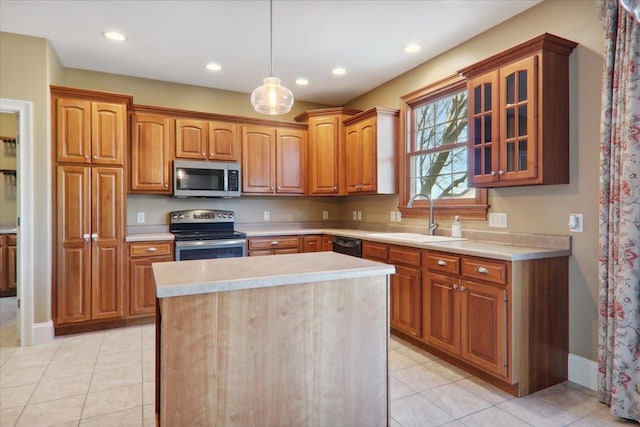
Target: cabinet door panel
<point>354,159</point>
<point>3,263</point>
<point>324,164</point>
<point>369,156</point>
<point>11,267</point>
<point>518,120</point>
<point>151,154</point>
<point>484,326</point>
<point>224,141</point>
<point>406,301</point>
<point>108,133</point>
<point>312,243</point>
<point>107,257</point>
<point>142,289</point>
<point>483,129</point>
<point>192,139</point>
<point>290,161</point>
<point>73,281</point>
<point>258,161</point>
<point>442,312</point>
<point>73,128</point>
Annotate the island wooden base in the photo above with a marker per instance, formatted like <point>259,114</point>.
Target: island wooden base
<point>299,355</point>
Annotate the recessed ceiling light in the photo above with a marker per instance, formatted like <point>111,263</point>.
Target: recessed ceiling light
<point>212,66</point>
<point>114,35</point>
<point>412,48</point>
<point>302,82</point>
<point>338,71</point>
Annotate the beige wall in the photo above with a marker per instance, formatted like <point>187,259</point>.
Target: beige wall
<point>543,209</point>
<point>174,95</point>
<point>8,128</point>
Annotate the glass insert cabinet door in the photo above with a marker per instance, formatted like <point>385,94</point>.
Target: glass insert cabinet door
<point>518,124</point>
<point>483,129</point>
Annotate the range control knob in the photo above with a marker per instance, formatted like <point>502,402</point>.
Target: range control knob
<point>181,216</point>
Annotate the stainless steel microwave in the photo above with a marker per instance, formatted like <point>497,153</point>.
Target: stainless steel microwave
<point>193,178</point>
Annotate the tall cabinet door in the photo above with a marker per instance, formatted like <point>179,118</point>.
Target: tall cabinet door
<point>73,128</point>
<point>73,213</point>
<point>484,135</point>
<point>258,161</point>
<point>406,300</point>
<point>108,133</point>
<point>442,312</point>
<point>107,236</point>
<point>324,155</point>
<point>151,153</point>
<point>354,159</point>
<point>368,146</point>
<point>290,161</point>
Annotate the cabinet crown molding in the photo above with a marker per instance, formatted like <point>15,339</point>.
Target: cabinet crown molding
<point>303,117</point>
<point>372,112</point>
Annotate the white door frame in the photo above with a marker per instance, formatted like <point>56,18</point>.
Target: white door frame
<point>25,194</point>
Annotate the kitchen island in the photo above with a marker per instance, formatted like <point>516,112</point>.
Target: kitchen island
<point>296,339</point>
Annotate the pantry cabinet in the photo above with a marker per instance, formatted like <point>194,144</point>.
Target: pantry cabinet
<point>142,289</point>
<point>519,115</point>
<point>8,252</point>
<point>273,161</point>
<point>152,148</point>
<point>371,146</point>
<point>207,140</point>
<point>327,152</point>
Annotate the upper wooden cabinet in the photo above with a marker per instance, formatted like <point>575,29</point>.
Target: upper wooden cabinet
<point>90,128</point>
<point>371,152</point>
<point>207,140</point>
<point>152,143</point>
<point>273,160</point>
<point>519,115</point>
<point>326,171</point>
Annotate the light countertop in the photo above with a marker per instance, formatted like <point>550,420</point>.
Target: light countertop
<point>8,230</point>
<point>149,237</point>
<point>182,278</point>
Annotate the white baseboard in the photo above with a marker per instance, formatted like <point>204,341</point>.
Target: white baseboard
<point>583,371</point>
<point>42,333</point>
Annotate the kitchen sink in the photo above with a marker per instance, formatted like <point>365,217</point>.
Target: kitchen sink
<point>415,237</point>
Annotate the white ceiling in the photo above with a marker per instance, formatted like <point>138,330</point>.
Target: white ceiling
<point>173,40</point>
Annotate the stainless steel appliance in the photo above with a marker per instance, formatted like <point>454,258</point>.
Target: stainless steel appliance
<point>193,178</point>
<point>206,234</point>
<point>347,246</point>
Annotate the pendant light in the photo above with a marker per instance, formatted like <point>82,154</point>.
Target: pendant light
<point>271,98</point>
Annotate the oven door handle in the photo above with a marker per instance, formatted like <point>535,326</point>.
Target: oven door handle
<point>210,243</point>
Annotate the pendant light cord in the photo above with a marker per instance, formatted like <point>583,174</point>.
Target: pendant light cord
<point>271,34</point>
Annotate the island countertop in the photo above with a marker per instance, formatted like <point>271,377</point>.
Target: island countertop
<point>229,274</point>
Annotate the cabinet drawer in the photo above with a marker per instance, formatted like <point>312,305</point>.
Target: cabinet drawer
<point>13,240</point>
<point>442,262</point>
<point>375,251</point>
<point>405,256</point>
<point>150,249</point>
<point>276,242</point>
<point>489,270</point>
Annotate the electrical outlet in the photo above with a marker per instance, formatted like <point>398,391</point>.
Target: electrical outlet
<point>398,216</point>
<point>325,214</point>
<point>575,223</point>
<point>140,217</point>
<point>354,215</point>
<point>498,220</point>
<point>266,216</point>
<point>359,215</point>
<point>392,216</point>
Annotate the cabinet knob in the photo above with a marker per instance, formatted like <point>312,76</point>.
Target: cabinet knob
<point>166,186</point>
<point>94,236</point>
<point>279,188</point>
<point>493,173</point>
<point>86,157</point>
<point>442,262</point>
<point>462,289</point>
<point>271,188</point>
<point>152,249</point>
<point>275,243</point>
<point>455,286</point>
<point>203,154</point>
<point>85,237</point>
<point>500,172</point>
<point>95,157</point>
<point>483,270</point>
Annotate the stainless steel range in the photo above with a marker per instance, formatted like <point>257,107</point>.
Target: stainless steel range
<point>206,234</point>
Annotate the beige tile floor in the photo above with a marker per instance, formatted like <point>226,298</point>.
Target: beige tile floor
<point>107,379</point>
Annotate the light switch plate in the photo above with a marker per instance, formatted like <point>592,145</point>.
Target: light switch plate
<point>266,216</point>
<point>575,223</point>
<point>140,217</point>
<point>325,214</point>
<point>392,216</point>
<point>355,215</point>
<point>498,220</point>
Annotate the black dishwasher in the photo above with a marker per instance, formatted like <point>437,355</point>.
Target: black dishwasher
<point>347,246</point>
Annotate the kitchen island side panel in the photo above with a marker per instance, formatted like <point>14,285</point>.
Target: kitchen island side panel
<point>306,354</point>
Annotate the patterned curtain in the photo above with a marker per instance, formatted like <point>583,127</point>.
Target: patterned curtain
<point>619,243</point>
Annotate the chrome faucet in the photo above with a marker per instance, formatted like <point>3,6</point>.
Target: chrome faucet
<point>433,226</point>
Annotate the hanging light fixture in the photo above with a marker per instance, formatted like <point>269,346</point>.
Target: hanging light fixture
<point>271,97</point>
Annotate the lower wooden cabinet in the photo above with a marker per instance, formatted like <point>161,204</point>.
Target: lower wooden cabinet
<point>142,292</point>
<point>327,243</point>
<point>274,245</point>
<point>8,265</point>
<point>311,243</point>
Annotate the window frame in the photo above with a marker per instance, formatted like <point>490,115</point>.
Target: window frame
<point>476,208</point>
